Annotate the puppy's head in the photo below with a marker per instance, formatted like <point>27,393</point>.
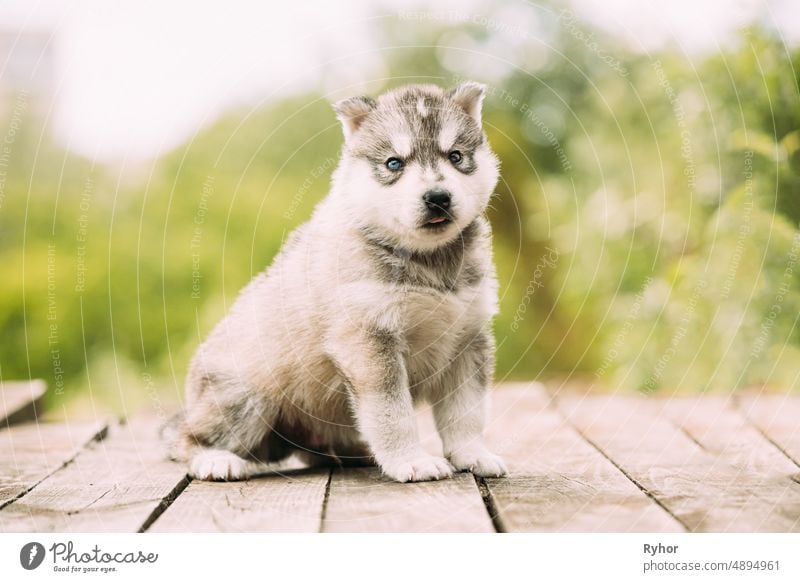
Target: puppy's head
<point>417,168</point>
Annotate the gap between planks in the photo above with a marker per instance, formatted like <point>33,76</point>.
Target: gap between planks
<point>491,505</point>
<point>325,499</point>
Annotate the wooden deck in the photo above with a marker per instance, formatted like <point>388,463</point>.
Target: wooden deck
<point>578,463</point>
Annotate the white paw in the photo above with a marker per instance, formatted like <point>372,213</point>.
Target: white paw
<point>479,461</point>
<point>421,467</point>
<point>218,465</point>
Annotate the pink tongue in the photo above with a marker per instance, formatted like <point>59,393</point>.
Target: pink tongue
<point>437,220</point>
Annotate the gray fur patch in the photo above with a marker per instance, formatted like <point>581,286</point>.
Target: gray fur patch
<point>399,111</point>
<point>446,268</point>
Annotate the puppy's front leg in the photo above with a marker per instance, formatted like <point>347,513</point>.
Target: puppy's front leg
<point>460,409</point>
<point>373,364</point>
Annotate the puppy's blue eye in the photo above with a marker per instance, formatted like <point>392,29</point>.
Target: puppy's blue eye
<point>455,157</point>
<point>394,164</point>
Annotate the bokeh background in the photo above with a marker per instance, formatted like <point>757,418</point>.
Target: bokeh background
<point>153,156</point>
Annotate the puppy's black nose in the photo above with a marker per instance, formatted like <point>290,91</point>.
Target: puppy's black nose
<point>437,199</point>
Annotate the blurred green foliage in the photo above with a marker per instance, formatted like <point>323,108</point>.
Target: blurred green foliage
<point>645,224</point>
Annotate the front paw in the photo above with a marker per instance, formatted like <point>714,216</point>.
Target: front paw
<point>480,462</point>
<point>421,467</point>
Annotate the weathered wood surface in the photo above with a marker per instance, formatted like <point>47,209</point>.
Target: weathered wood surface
<point>764,472</point>
<point>577,463</point>
<point>558,481</point>
<point>114,485</point>
<point>285,502</point>
<point>362,500</point>
<point>777,416</point>
<point>29,453</point>
<point>19,401</point>
<point>706,489</point>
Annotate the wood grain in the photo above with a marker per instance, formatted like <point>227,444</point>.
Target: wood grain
<point>706,489</point>
<point>719,428</point>
<point>29,453</point>
<point>558,481</point>
<point>112,486</point>
<point>716,424</point>
<point>19,401</point>
<point>577,463</point>
<point>778,417</point>
<point>287,502</point>
<point>362,500</point>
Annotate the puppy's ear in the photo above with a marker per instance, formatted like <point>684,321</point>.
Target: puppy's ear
<point>469,96</point>
<point>352,112</point>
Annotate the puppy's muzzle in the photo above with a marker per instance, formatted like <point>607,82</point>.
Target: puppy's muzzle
<point>437,206</point>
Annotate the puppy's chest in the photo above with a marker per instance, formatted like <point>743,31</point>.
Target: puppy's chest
<point>436,302</point>
<point>434,321</point>
<point>442,272</point>
<point>440,298</point>
<point>435,327</point>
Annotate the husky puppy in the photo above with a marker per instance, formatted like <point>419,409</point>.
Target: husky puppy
<point>383,299</point>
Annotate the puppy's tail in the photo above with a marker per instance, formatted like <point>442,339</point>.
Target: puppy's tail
<point>175,436</point>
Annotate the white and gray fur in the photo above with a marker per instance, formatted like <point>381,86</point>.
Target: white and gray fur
<point>368,309</point>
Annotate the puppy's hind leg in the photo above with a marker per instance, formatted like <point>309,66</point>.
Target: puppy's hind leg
<point>228,424</point>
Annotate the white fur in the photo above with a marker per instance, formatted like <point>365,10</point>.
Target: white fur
<point>219,465</point>
<point>421,109</point>
<point>448,134</point>
<point>402,142</point>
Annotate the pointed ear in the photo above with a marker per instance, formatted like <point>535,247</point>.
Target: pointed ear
<point>469,96</point>
<point>352,112</point>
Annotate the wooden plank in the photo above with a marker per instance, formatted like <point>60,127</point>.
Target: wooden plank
<point>31,452</point>
<point>557,481</point>
<point>362,500</point>
<point>720,429</point>
<point>115,485</point>
<point>778,417</point>
<point>716,424</point>
<point>702,489</point>
<point>288,502</point>
<point>19,401</point>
